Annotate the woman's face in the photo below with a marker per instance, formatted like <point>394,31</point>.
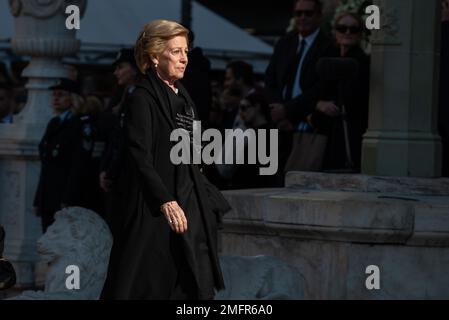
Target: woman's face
<point>62,100</point>
<point>173,61</point>
<point>348,32</point>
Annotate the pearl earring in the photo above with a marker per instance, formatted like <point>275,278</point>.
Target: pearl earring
<point>155,65</point>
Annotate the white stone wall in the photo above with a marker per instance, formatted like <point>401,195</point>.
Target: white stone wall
<point>331,237</point>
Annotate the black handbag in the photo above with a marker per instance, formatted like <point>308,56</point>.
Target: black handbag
<point>307,152</point>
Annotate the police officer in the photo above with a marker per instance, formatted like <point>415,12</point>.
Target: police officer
<point>64,150</point>
<point>127,74</point>
<point>92,127</point>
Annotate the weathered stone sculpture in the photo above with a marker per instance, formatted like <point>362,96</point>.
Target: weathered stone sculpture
<point>260,277</point>
<point>40,33</point>
<point>80,238</point>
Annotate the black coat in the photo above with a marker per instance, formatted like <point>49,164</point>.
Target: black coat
<point>443,112</point>
<point>280,64</point>
<point>64,151</point>
<point>355,96</point>
<point>147,258</point>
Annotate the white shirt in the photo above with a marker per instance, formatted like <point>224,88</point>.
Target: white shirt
<point>310,39</point>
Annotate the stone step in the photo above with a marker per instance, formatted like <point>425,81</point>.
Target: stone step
<point>359,217</point>
<point>364,183</point>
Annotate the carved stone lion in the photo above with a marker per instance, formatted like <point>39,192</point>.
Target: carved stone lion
<point>260,277</point>
<point>78,237</point>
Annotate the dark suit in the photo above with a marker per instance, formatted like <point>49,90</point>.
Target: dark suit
<point>280,64</point>
<point>277,77</point>
<point>64,152</point>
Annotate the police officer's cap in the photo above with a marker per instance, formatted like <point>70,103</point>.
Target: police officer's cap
<point>125,55</point>
<point>66,85</point>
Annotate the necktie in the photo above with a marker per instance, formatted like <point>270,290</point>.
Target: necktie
<point>293,71</point>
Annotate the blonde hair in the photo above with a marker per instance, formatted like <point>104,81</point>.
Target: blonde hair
<point>77,102</point>
<point>92,106</point>
<point>153,39</point>
<point>351,14</point>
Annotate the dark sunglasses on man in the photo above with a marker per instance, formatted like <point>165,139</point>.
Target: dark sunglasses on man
<point>306,13</point>
<point>352,29</point>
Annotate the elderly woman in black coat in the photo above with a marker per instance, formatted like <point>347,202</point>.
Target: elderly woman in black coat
<point>165,239</point>
<point>328,115</point>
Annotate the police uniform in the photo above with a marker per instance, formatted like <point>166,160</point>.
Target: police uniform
<point>112,157</point>
<point>111,161</point>
<point>64,151</point>
<point>93,128</point>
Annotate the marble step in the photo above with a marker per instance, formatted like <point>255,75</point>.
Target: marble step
<point>359,217</point>
<point>364,183</point>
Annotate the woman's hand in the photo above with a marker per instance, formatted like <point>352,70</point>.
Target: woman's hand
<point>175,216</point>
<point>328,108</point>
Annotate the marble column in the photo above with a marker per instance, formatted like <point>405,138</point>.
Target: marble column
<point>402,137</point>
<point>40,33</point>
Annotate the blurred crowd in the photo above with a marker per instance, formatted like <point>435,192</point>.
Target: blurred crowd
<point>316,83</point>
<point>12,101</point>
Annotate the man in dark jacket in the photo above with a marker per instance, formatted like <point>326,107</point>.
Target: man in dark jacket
<point>291,76</point>
<point>64,150</point>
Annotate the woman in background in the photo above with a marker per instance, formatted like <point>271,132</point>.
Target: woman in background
<point>63,155</point>
<point>328,116</point>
